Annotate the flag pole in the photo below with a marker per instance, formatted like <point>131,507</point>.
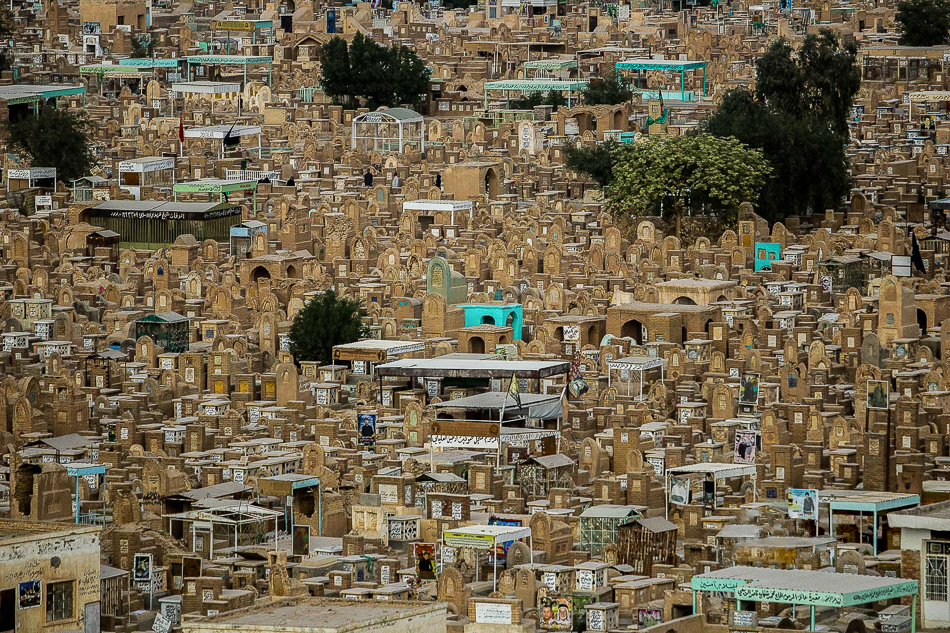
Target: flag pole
<point>501,418</point>
<point>560,417</point>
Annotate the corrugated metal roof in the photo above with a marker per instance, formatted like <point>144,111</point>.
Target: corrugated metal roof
<point>552,461</point>
<point>609,511</point>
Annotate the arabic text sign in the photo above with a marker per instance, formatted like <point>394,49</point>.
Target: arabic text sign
<point>463,539</point>
<point>146,167</point>
<point>463,441</point>
<point>232,25</point>
<point>492,613</point>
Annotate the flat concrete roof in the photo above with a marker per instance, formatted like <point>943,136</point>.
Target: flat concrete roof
<point>313,615</point>
<point>698,283</point>
<point>661,307</point>
<point>934,516</point>
<point>16,531</point>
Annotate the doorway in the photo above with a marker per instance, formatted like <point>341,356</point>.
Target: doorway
<point>7,610</point>
<point>936,588</point>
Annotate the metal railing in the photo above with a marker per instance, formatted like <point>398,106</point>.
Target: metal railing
<point>94,518</point>
<point>249,174</point>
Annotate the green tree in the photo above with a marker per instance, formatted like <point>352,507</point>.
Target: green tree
<point>368,74</point>
<point>335,70</point>
<point>325,321</point>
<point>798,116</point>
<point>818,82</point>
<point>370,81</point>
<point>54,138</point>
<point>594,161</point>
<point>410,76</point>
<point>689,175</point>
<point>923,22</point>
<point>553,98</point>
<point>607,90</point>
<point>809,160</point>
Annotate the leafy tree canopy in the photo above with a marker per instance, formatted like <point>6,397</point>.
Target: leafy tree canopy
<point>610,89</point>
<point>325,321</point>
<point>819,82</point>
<point>798,116</point>
<point>923,22</point>
<point>809,160</point>
<point>689,175</point>
<point>54,138</point>
<point>594,161</point>
<point>552,98</point>
<point>365,73</point>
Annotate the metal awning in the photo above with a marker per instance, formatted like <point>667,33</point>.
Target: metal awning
<point>867,501</point>
<point>390,348</point>
<point>220,131</point>
<point>637,363</point>
<point>484,537</point>
<point>488,537</point>
<point>805,587</point>
<point>206,88</point>
<point>674,65</point>
<point>536,85</point>
<point>237,60</point>
<point>496,400</point>
<point>214,185</point>
<point>452,368</point>
<point>719,470</point>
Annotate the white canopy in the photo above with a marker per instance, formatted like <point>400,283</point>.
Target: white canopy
<point>484,537</point>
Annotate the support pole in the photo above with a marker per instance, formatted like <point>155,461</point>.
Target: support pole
<point>913,614</point>
<point>494,575</point>
<point>875,532</point>
<point>812,627</point>
<point>666,495</point>
<point>77,498</point>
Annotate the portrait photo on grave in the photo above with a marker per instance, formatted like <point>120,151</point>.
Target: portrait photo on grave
<point>745,447</point>
<point>142,568</point>
<point>749,389</point>
<point>679,491</point>
<point>367,426</point>
<point>425,561</point>
<point>649,617</point>
<point>803,504</point>
<point>301,540</point>
<point>878,394</point>
<point>557,614</point>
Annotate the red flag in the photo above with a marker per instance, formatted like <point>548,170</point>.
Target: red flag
<point>181,130</point>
